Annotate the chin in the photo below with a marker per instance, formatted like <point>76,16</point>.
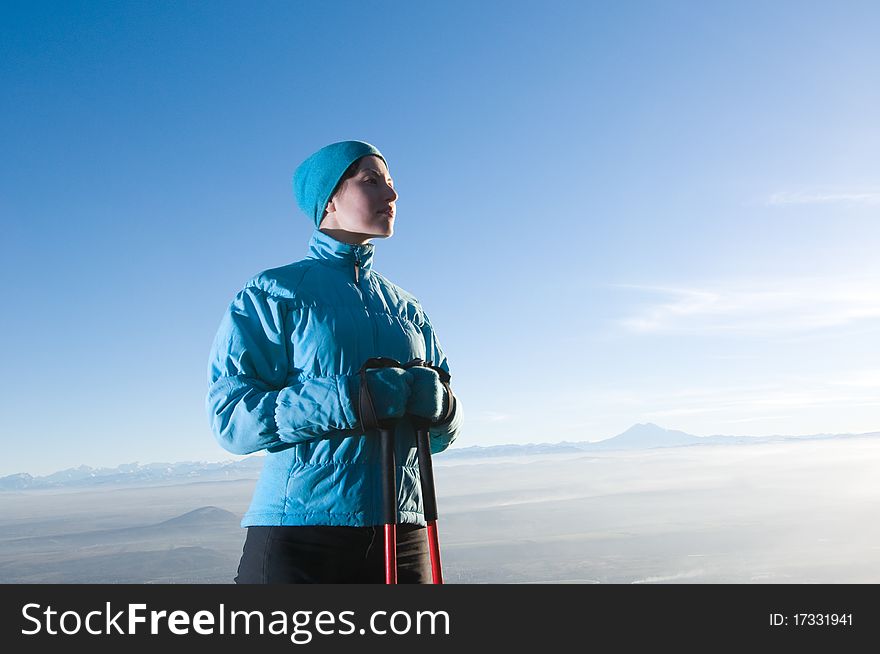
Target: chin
<point>382,229</point>
<point>384,232</point>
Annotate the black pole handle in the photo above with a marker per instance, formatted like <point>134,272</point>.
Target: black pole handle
<point>389,476</point>
<point>426,469</point>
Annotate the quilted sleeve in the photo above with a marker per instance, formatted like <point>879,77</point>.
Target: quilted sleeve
<point>249,405</point>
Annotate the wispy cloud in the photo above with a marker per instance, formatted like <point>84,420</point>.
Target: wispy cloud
<point>756,419</point>
<point>806,197</point>
<point>756,308</point>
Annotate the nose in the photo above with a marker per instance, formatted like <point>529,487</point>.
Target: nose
<point>393,193</point>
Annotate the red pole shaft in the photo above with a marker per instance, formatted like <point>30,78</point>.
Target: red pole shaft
<point>434,547</point>
<point>391,554</point>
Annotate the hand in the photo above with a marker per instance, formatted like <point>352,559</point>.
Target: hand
<point>429,398</point>
<point>390,390</point>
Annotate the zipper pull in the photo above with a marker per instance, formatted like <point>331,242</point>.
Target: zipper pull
<point>356,277</point>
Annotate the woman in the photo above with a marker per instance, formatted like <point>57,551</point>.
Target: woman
<point>283,377</point>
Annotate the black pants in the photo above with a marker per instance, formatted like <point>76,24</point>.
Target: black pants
<point>331,555</point>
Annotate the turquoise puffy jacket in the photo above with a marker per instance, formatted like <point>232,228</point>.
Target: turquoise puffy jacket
<point>282,377</point>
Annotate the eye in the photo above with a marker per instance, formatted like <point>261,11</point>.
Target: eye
<point>372,179</point>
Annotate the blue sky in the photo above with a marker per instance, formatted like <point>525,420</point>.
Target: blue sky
<point>613,212</point>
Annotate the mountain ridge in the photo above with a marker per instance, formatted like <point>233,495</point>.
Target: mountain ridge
<point>638,437</point>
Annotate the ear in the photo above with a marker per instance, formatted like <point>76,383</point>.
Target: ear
<point>327,211</point>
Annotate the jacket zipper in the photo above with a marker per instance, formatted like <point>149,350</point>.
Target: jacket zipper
<point>357,267</point>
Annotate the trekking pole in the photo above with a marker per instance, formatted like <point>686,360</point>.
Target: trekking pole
<point>387,461</point>
<point>429,496</point>
<point>426,470</point>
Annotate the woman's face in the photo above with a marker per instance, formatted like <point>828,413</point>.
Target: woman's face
<point>363,206</point>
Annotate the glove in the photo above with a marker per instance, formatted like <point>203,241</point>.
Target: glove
<point>390,390</point>
<point>428,398</point>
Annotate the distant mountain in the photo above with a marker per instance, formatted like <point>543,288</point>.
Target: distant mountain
<point>134,473</point>
<point>638,437</point>
<point>19,481</point>
<point>643,436</point>
<point>205,516</point>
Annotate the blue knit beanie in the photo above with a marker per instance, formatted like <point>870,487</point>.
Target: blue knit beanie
<point>317,177</point>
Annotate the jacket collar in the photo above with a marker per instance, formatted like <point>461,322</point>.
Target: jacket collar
<point>327,248</point>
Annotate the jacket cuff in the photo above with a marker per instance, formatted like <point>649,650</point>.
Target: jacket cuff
<point>443,434</point>
<point>346,387</point>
